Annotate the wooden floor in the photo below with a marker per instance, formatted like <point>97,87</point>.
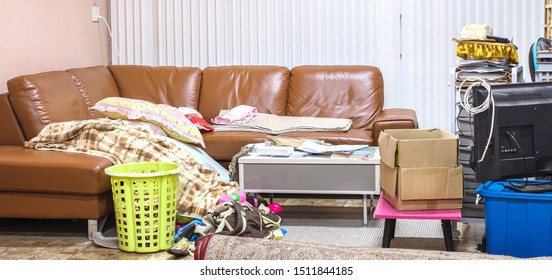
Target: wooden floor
<point>29,239</point>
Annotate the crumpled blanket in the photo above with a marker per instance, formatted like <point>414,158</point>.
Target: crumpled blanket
<point>199,187</point>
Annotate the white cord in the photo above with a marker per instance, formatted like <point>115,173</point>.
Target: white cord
<point>112,40</point>
<point>489,102</point>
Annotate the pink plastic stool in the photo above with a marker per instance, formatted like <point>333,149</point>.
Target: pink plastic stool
<point>386,211</point>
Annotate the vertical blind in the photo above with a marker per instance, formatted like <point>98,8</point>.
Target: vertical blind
<point>409,40</point>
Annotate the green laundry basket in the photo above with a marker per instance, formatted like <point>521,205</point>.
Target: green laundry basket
<point>144,198</point>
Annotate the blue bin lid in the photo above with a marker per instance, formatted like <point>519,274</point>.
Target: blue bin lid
<point>497,189</point>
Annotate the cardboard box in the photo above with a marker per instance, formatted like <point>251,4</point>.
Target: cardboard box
<point>426,204</point>
<point>422,188</point>
<point>418,147</point>
<point>419,169</point>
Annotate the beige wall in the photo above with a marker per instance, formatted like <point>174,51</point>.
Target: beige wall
<point>39,35</point>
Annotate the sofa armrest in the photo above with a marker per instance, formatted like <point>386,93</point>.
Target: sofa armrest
<point>393,118</point>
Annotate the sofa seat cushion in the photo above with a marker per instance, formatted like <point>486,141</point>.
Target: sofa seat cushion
<point>26,170</point>
<point>222,146</point>
<point>55,205</point>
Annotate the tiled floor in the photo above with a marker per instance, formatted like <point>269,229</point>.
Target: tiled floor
<point>24,239</point>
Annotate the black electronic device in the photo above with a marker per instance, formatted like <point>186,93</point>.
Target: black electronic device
<point>498,39</point>
<point>521,139</point>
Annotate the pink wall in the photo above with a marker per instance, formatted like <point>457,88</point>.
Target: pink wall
<point>38,35</point>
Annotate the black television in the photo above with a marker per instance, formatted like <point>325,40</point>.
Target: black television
<point>520,144</point>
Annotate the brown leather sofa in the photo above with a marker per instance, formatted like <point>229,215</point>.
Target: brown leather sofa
<point>50,184</point>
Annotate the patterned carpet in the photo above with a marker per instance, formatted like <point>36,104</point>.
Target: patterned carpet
<point>340,234</point>
<point>220,247</point>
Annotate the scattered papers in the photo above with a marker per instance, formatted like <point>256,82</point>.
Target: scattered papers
<point>317,148</point>
<point>263,150</point>
<point>283,146</point>
<point>364,153</point>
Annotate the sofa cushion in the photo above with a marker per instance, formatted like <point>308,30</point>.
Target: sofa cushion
<point>175,86</point>
<point>94,83</point>
<point>11,131</point>
<point>26,170</point>
<point>354,92</point>
<point>171,121</point>
<point>55,205</point>
<point>225,87</point>
<point>45,98</point>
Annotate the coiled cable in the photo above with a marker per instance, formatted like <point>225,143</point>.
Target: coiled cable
<point>484,106</point>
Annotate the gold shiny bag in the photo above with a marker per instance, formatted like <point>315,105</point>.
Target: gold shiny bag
<point>484,50</point>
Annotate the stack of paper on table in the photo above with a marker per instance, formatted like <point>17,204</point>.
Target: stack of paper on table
<point>364,153</point>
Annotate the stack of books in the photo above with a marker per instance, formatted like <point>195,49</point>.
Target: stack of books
<point>494,72</point>
<point>492,60</point>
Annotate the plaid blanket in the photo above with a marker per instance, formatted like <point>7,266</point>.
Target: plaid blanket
<point>199,187</point>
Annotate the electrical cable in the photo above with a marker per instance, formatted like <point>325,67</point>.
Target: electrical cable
<point>483,107</point>
<point>524,161</point>
<point>530,187</point>
<point>111,36</point>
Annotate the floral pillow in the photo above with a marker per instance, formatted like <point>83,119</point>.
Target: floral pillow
<point>171,121</point>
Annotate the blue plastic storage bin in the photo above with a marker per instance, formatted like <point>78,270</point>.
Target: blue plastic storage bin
<point>517,224</point>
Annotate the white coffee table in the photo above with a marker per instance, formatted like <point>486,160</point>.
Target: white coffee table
<point>313,174</point>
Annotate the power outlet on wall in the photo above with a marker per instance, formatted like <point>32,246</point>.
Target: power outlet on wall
<point>95,14</point>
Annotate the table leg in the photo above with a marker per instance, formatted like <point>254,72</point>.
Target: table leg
<point>388,232</point>
<point>393,224</point>
<point>365,210</point>
<point>447,234</point>
<point>371,200</point>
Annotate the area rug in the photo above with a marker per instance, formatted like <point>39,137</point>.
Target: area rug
<point>221,247</point>
<point>343,227</point>
<point>340,227</point>
<point>338,234</point>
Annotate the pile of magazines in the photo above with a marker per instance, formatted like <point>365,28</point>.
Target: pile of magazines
<point>486,57</point>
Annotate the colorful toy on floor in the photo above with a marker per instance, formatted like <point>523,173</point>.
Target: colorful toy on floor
<point>183,247</point>
<point>187,231</point>
<point>238,196</point>
<point>275,208</point>
<point>278,234</point>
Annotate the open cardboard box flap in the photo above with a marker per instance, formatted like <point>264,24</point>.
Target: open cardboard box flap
<point>418,147</point>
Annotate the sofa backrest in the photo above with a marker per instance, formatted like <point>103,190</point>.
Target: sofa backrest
<point>57,96</point>
<point>175,86</point>
<point>354,92</point>
<point>225,87</point>
<point>11,135</point>
<point>94,84</point>
<point>44,98</point>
